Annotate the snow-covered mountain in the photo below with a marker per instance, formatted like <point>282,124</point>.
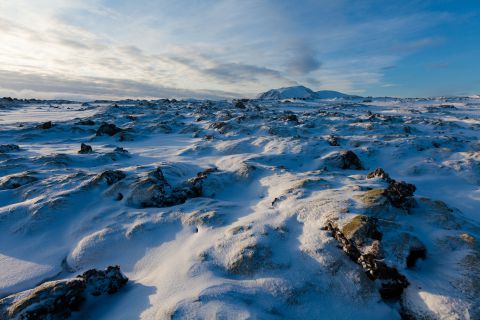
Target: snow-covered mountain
<point>302,92</point>
<point>299,92</point>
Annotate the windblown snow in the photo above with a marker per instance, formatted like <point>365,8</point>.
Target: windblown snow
<point>246,209</point>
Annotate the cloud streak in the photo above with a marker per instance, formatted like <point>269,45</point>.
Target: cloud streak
<point>206,47</point>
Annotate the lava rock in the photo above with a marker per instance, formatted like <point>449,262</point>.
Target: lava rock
<point>360,229</point>
<point>400,194</point>
<point>392,282</point>
<point>344,160</point>
<point>379,173</point>
<point>289,118</point>
<point>110,177</point>
<point>120,150</point>
<point>85,148</point>
<point>108,281</point>
<point>333,141</point>
<point>46,125</point>
<point>58,299</point>
<point>86,122</point>
<point>108,129</point>
<point>239,104</point>
<point>155,191</point>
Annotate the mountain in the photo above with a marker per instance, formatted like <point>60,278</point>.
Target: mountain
<point>302,92</point>
<point>299,92</point>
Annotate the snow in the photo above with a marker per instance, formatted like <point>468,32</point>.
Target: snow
<point>301,92</point>
<point>253,245</point>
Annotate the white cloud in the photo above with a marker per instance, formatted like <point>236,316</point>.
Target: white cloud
<point>221,46</point>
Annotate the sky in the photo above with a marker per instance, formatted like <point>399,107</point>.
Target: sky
<point>84,49</point>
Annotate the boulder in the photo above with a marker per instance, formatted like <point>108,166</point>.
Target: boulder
<point>58,299</point>
<point>110,177</point>
<point>400,194</point>
<point>361,230</point>
<point>108,129</point>
<point>344,160</point>
<point>46,125</point>
<point>379,173</point>
<point>107,281</point>
<point>86,122</point>
<point>85,148</point>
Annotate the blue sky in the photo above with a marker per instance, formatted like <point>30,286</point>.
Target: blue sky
<point>207,48</point>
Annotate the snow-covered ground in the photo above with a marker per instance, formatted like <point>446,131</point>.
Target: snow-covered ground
<point>252,243</point>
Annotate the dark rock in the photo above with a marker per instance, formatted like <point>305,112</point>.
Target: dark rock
<point>392,282</point>
<point>333,141</point>
<point>379,173</point>
<point>239,104</point>
<point>108,281</point>
<point>120,150</point>
<point>155,191</point>
<point>349,160</point>
<point>360,229</point>
<point>110,177</point>
<point>86,122</point>
<point>58,299</point>
<point>46,125</point>
<point>85,148</point>
<point>414,254</point>
<point>108,129</point>
<point>289,118</point>
<point>400,194</point>
<point>51,300</point>
<point>218,125</point>
<point>9,148</point>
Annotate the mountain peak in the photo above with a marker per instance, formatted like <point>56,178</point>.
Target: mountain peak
<point>301,92</point>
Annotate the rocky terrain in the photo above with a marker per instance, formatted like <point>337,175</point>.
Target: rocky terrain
<point>245,209</point>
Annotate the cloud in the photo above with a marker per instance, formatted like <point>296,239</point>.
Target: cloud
<point>96,87</point>
<point>304,59</point>
<point>225,46</point>
<point>237,72</point>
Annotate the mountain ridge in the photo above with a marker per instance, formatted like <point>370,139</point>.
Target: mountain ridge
<point>302,92</point>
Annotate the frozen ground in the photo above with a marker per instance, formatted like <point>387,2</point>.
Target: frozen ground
<point>246,239</point>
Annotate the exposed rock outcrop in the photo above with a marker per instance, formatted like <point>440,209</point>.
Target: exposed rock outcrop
<point>110,177</point>
<point>344,160</point>
<point>108,129</point>
<point>58,299</point>
<point>360,240</point>
<point>155,191</point>
<point>85,148</point>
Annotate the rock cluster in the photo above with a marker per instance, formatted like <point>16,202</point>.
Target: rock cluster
<point>360,240</point>
<point>398,193</point>
<point>155,191</point>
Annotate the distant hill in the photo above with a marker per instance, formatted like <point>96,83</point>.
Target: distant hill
<point>301,92</point>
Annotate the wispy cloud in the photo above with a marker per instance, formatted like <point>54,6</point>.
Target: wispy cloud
<point>208,47</point>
